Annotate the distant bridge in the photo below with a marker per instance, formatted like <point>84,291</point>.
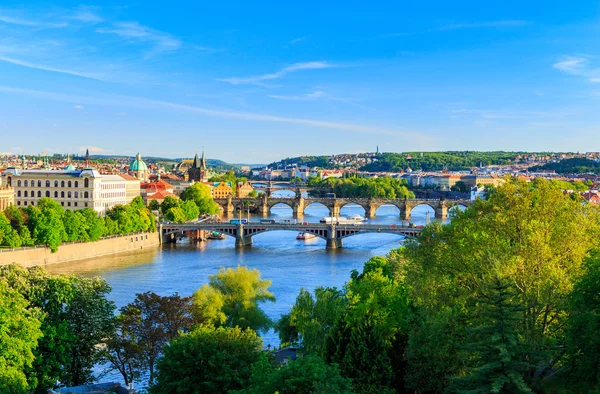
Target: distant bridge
<point>243,233</point>
<point>263,204</point>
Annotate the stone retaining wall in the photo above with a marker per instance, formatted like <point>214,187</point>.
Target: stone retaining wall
<point>29,257</point>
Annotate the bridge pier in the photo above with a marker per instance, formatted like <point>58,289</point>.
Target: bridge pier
<point>441,212</point>
<point>333,242</point>
<point>405,213</point>
<point>241,240</point>
<point>370,211</point>
<point>298,208</point>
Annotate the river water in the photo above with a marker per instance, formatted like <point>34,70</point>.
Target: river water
<point>289,263</point>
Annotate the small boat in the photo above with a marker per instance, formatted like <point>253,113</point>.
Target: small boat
<point>216,235</point>
<point>357,218</point>
<point>305,236</point>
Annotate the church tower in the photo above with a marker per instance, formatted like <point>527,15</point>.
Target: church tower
<point>197,171</point>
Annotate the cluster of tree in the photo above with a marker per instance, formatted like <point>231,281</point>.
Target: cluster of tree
<point>504,299</point>
<point>437,161</point>
<point>48,223</point>
<point>195,200</point>
<point>566,185</point>
<point>354,187</point>
<point>303,161</point>
<point>50,328</point>
<point>571,166</point>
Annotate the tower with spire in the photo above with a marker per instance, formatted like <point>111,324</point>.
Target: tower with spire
<point>87,157</point>
<point>198,171</point>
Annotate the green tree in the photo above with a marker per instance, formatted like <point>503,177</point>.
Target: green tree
<point>208,360</point>
<point>168,203</point>
<point>176,215</point>
<point>145,326</point>
<point>46,220</point>
<point>496,352</point>
<point>19,333</point>
<point>309,374</point>
<point>460,186</point>
<point>8,235</point>
<point>238,292</point>
<point>154,205</point>
<point>200,194</point>
<point>191,210</point>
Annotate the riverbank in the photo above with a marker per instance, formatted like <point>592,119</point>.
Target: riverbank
<point>73,251</point>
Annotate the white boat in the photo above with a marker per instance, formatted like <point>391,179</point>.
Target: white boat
<point>358,218</point>
<point>337,220</point>
<point>305,236</point>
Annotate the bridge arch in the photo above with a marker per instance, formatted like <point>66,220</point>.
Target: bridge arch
<point>319,233</point>
<point>353,208</point>
<point>316,209</point>
<point>283,192</point>
<point>282,205</point>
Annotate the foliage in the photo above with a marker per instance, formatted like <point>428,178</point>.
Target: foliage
<point>75,318</point>
<point>385,187</point>
<point>582,370</point>
<point>571,166</point>
<point>230,177</point>
<point>533,237</point>
<point>208,360</point>
<point>143,328</point>
<point>154,205</point>
<point>19,333</point>
<point>309,374</point>
<point>232,297</point>
<point>200,194</point>
<point>496,352</point>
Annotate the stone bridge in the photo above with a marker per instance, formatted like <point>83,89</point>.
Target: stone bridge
<point>243,233</point>
<point>263,204</point>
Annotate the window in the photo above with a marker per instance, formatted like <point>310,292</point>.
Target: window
<point>19,182</point>
<point>19,193</point>
<point>68,194</point>
<point>39,183</point>
<point>86,195</point>
<point>69,185</point>
<point>69,203</point>
<point>47,183</point>
<point>76,194</point>
<point>26,183</point>
<point>9,181</point>
<point>75,203</point>
<point>25,193</point>
<point>47,193</point>
<point>62,183</point>
<point>18,202</point>
<point>55,183</point>
<point>86,182</point>
<point>55,194</point>
<point>76,184</point>
<point>62,194</point>
<point>39,193</point>
<point>86,204</point>
<point>62,203</point>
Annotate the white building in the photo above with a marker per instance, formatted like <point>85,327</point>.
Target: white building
<point>73,189</point>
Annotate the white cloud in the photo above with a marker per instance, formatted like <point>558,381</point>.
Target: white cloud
<point>78,106</point>
<point>37,66</point>
<point>307,96</point>
<point>86,14</point>
<point>225,113</point>
<point>162,42</point>
<point>297,40</point>
<point>579,66</point>
<point>15,20</point>
<point>258,79</point>
<point>92,149</point>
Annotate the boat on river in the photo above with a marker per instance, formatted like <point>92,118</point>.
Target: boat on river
<point>216,235</point>
<point>304,236</point>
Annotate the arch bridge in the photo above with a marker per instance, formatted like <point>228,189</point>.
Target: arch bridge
<point>243,233</point>
<point>263,204</point>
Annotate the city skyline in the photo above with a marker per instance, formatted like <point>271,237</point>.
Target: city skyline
<point>257,83</point>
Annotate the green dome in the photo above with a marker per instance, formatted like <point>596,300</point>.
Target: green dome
<point>70,167</point>
<point>138,164</point>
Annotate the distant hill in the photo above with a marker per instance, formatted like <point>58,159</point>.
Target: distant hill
<point>571,166</point>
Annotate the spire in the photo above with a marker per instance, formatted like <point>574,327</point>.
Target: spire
<point>87,157</point>
<point>203,161</point>
<point>195,163</point>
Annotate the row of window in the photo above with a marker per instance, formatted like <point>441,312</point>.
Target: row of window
<point>62,194</point>
<point>26,183</point>
<point>62,203</point>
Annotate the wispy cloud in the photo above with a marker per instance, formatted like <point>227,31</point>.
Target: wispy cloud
<point>78,106</point>
<point>460,26</point>
<point>17,20</point>
<point>161,41</point>
<point>579,66</point>
<point>86,14</point>
<point>304,97</point>
<point>225,113</point>
<point>37,66</point>
<point>92,149</point>
<point>297,40</point>
<point>258,79</point>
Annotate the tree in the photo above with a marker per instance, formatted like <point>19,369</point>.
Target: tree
<point>46,221</point>
<point>582,342</point>
<point>190,210</point>
<point>168,203</point>
<point>208,360</point>
<point>8,235</point>
<point>496,352</point>
<point>19,333</point>
<point>200,194</point>
<point>533,236</point>
<point>309,374</point>
<point>153,205</point>
<point>460,186</point>
<point>176,215</point>
<point>145,326</point>
<point>238,292</point>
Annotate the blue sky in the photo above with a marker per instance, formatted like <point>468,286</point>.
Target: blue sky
<point>258,81</point>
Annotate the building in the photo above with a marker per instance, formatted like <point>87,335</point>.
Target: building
<point>73,190</point>
<point>198,171</point>
<point>139,169</point>
<point>157,190</point>
<point>447,181</point>
<point>481,180</point>
<point>222,190</point>
<point>7,197</point>
<point>132,187</point>
<point>243,189</point>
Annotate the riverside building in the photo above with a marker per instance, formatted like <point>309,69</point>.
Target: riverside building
<point>73,189</point>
